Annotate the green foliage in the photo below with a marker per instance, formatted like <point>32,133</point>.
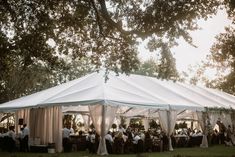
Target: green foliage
<point>182,125</point>
<point>153,124</point>
<point>36,35</point>
<point>167,67</point>
<point>148,68</point>
<point>136,123</point>
<point>162,68</point>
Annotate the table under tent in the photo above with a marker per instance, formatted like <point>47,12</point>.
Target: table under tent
<point>120,95</point>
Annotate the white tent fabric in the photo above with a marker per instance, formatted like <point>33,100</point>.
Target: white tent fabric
<point>102,117</point>
<point>202,121</point>
<point>133,90</point>
<point>22,114</point>
<point>145,123</point>
<point>46,124</point>
<point>127,121</point>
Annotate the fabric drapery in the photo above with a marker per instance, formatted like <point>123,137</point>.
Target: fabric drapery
<point>202,122</point>
<point>117,121</point>
<point>167,121</point>
<point>145,123</point>
<point>102,117</point>
<point>86,119</point>
<point>214,116</point>
<point>46,125</point>
<point>226,119</point>
<point>22,114</point>
<point>233,120</point>
<point>127,122</point>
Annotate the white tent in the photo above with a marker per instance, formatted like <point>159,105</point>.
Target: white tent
<point>130,95</point>
<point>133,91</point>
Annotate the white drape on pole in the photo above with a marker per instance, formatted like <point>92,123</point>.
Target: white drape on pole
<point>86,119</point>
<point>22,114</point>
<point>214,116</point>
<point>202,122</point>
<point>167,121</point>
<point>145,123</point>
<point>226,119</point>
<point>127,121</point>
<point>102,117</point>
<point>117,121</point>
<point>46,125</point>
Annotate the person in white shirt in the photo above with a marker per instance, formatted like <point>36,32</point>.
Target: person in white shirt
<point>142,136</point>
<point>121,129</point>
<point>11,133</point>
<point>109,142</point>
<point>66,141</point>
<point>71,131</point>
<point>12,143</point>
<point>66,132</point>
<point>109,137</point>
<point>136,138</point>
<point>25,140</point>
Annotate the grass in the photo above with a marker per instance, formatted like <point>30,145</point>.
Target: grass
<point>215,151</point>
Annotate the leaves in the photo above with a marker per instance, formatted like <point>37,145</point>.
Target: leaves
<point>103,32</point>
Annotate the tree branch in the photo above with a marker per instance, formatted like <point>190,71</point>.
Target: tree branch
<point>105,15</point>
<point>97,17</point>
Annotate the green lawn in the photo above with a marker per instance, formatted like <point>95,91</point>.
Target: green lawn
<point>215,151</point>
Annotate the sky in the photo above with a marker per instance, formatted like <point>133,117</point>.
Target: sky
<point>204,38</point>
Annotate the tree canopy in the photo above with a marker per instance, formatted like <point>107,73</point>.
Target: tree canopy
<point>38,34</point>
<point>222,56</point>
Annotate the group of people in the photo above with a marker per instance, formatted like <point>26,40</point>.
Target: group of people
<point>11,139</point>
<point>127,141</point>
<point>133,140</point>
<point>224,135</point>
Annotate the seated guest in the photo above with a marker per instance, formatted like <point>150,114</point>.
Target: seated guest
<point>119,143</point>
<point>142,136</point>
<point>121,129</point>
<point>135,142</point>
<point>109,137</point>
<point>91,142</point>
<point>109,142</point>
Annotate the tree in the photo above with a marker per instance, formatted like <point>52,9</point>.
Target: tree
<point>163,67</point>
<point>148,68</point>
<point>38,76</point>
<point>167,67</point>
<point>38,33</point>
<point>223,59</point>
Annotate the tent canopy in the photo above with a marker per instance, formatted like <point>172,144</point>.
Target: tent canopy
<point>127,91</point>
